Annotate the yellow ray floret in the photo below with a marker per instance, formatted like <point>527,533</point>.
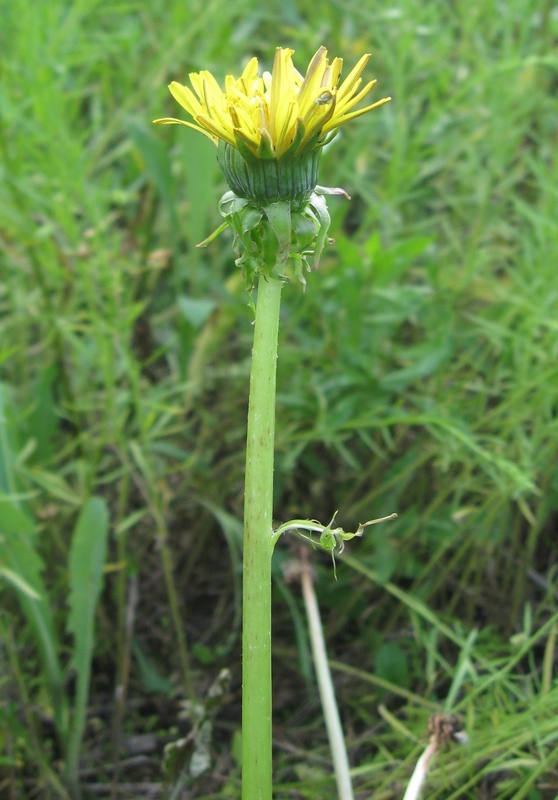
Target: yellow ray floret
<point>278,113</point>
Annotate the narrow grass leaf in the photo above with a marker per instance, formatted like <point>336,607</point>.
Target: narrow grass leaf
<point>19,583</point>
<point>55,485</point>
<point>464,667</point>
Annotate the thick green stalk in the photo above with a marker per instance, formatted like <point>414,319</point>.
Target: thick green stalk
<point>258,510</point>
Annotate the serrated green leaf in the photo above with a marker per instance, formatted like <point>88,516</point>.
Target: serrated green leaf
<point>87,560</point>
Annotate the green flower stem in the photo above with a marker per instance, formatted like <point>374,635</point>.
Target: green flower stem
<point>258,547</point>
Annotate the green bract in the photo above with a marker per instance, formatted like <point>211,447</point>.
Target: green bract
<point>289,237</point>
<point>274,240</point>
<point>270,180</point>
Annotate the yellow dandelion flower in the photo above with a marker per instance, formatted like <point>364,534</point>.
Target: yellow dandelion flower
<point>277,115</point>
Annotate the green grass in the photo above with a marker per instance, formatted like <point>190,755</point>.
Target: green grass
<point>417,374</point>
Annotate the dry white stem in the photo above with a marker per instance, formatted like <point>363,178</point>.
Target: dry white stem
<point>421,770</point>
<point>443,728</point>
<point>325,685</point>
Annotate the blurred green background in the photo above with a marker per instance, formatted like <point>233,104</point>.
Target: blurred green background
<point>417,374</point>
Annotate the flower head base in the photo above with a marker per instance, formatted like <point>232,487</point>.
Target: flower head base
<point>269,180</point>
<point>279,117</point>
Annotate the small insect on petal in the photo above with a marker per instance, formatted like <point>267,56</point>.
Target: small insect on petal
<point>324,99</point>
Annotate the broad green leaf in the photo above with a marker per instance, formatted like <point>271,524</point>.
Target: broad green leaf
<point>87,560</point>
<point>392,664</point>
<point>195,310</point>
<point>151,678</point>
<point>43,421</point>
<point>23,567</point>
<point>14,522</point>
<point>200,165</point>
<point>157,162</point>
<point>7,458</point>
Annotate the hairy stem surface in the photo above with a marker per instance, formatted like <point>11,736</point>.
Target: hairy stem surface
<point>258,510</point>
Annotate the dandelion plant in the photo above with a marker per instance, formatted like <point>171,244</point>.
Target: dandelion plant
<point>270,131</point>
